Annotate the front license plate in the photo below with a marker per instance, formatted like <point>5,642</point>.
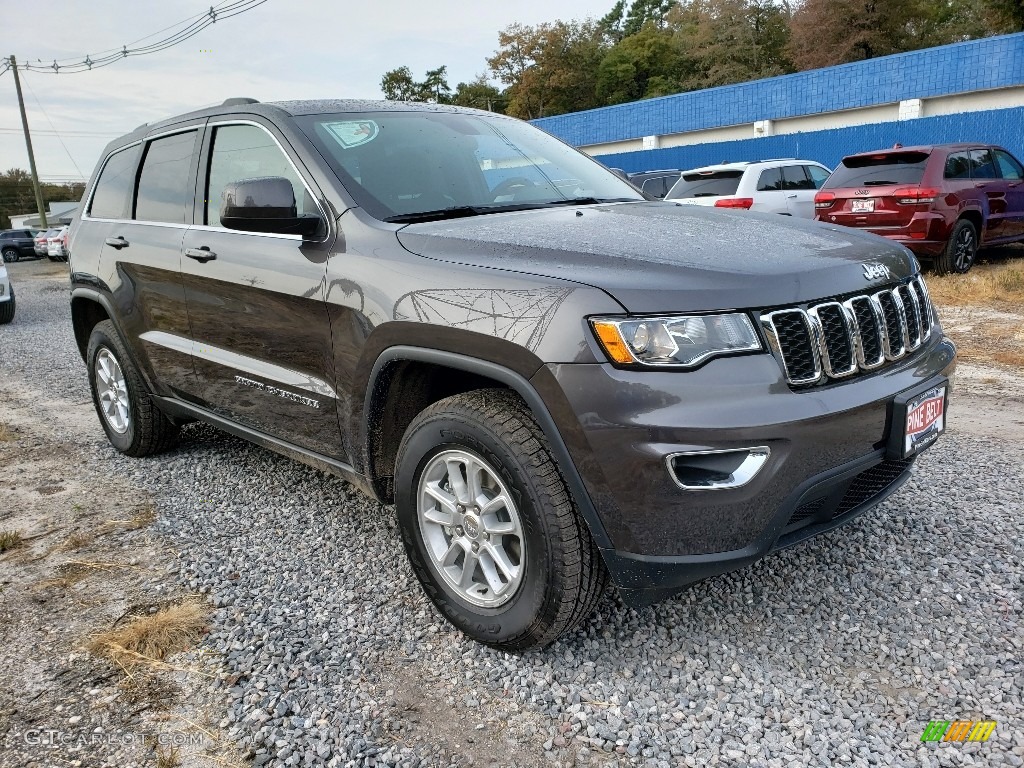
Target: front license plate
<point>925,421</point>
<point>862,206</point>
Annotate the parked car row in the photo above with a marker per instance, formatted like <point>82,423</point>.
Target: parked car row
<point>52,243</point>
<point>943,202</point>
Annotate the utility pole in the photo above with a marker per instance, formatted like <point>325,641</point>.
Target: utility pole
<point>28,143</point>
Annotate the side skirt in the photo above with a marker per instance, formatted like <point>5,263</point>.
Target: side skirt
<point>181,410</point>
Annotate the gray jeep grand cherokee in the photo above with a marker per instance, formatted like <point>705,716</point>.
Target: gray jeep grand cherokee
<point>554,379</point>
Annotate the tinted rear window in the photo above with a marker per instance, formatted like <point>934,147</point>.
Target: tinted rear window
<point>706,184</point>
<point>163,182</point>
<point>879,170</point>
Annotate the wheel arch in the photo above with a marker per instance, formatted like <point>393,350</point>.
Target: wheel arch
<point>405,380</point>
<point>88,308</point>
<point>975,217</point>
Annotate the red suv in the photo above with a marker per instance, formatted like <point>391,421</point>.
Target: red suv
<point>941,201</point>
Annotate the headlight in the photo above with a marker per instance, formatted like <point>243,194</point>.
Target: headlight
<point>674,342</point>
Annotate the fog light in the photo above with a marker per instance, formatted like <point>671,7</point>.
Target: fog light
<point>716,470</point>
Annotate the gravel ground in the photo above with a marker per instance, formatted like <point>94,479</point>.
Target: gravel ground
<point>838,651</point>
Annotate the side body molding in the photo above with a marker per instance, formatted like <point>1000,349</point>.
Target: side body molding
<point>525,390</point>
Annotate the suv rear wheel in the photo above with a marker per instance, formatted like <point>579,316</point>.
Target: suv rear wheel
<point>134,425</point>
<point>7,309</point>
<point>489,525</point>
<point>11,254</point>
<point>962,247</point>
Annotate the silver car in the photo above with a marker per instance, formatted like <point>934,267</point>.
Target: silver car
<point>6,296</point>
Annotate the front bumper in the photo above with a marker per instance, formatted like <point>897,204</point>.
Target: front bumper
<point>827,462</point>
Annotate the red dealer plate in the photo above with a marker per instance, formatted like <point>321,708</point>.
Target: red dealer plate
<point>926,419</point>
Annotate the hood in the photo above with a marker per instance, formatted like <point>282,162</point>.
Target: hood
<point>662,257</point>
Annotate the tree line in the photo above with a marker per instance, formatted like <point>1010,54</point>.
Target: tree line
<point>17,195</point>
<point>647,48</point>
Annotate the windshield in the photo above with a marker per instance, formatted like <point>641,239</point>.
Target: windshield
<point>883,169</point>
<point>413,166</point>
<point>705,184</point>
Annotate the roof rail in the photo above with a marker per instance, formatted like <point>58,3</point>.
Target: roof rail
<point>237,101</point>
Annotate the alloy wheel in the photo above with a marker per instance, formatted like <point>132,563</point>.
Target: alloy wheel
<point>112,391</point>
<point>964,249</point>
<point>471,528</point>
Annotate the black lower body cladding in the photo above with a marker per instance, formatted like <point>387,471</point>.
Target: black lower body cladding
<point>827,459</point>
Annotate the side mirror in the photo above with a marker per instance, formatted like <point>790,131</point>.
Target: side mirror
<point>264,205</point>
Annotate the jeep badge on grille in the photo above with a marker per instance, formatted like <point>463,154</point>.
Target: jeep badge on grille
<point>874,271</point>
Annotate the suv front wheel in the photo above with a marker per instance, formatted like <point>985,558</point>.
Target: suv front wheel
<point>11,254</point>
<point>133,423</point>
<point>489,525</point>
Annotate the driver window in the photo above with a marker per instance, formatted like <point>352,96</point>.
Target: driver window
<point>248,152</point>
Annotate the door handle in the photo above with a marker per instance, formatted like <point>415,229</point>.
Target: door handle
<point>202,255</point>
<point>980,185</point>
<point>791,197</point>
<point>117,242</point>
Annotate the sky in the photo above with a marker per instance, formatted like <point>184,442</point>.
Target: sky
<point>282,49</point>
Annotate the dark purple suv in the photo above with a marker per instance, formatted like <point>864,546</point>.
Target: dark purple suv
<point>943,202</point>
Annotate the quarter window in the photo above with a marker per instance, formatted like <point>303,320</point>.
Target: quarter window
<point>958,166</point>
<point>163,191</point>
<point>770,180</point>
<point>248,152</point>
<point>818,175</point>
<point>114,186</point>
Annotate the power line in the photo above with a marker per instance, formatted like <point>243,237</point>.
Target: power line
<point>66,150</point>
<point>192,27</point>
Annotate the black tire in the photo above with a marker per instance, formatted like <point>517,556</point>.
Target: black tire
<point>960,252</point>
<point>11,255</point>
<point>148,430</point>
<point>7,309</point>
<point>563,574</point>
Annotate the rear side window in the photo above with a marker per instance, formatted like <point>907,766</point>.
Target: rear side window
<point>163,190</point>
<point>114,186</point>
<point>770,180</point>
<point>879,170</point>
<point>795,177</point>
<point>958,166</point>
<point>248,152</point>
<point>706,184</point>
<point>982,164</point>
<point>1008,166</point>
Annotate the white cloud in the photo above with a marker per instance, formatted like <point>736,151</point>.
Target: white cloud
<point>279,50</point>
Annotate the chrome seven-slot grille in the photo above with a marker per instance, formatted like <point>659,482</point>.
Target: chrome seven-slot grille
<point>836,339</point>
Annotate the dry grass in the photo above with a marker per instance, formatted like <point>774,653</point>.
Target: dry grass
<point>151,639</point>
<point>76,542</point>
<point>10,540</point>
<point>167,758</point>
<point>998,286</point>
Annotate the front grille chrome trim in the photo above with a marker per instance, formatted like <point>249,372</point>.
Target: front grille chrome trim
<point>771,332</point>
<point>877,328</point>
<point>832,370</point>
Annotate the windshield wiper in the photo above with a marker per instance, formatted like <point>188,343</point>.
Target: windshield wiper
<point>588,201</point>
<point>455,212</point>
<point>880,183</point>
<point>465,211</point>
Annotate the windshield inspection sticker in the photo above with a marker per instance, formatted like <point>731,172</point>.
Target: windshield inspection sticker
<point>353,133</point>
